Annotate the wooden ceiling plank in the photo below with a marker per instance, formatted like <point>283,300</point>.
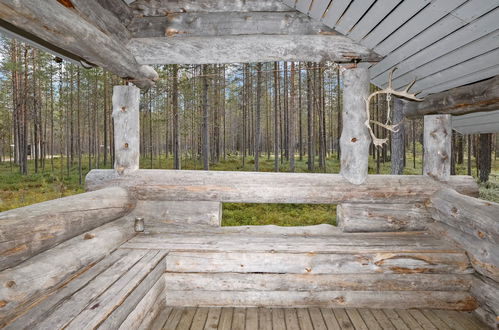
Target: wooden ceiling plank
<point>318,9</point>
<point>334,12</point>
<point>248,49</point>
<point>462,69</point>
<point>478,97</point>
<point>471,50</point>
<point>398,16</point>
<point>467,34</point>
<point>425,18</point>
<point>356,10</point>
<point>230,23</point>
<point>458,18</point>
<point>380,9</point>
<point>464,80</point>
<point>303,5</point>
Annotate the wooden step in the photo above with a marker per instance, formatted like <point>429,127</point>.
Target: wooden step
<point>106,295</point>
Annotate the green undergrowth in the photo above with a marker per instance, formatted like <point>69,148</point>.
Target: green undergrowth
<point>245,214</point>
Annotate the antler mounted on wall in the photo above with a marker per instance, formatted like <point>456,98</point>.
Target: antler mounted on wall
<point>389,91</point>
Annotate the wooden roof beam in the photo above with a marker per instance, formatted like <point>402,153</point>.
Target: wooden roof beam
<point>80,27</point>
<point>227,23</point>
<point>249,49</point>
<point>477,97</point>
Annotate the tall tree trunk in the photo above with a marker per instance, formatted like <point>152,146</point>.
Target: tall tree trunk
<point>398,138</point>
<point>310,119</point>
<point>258,115</point>
<point>338,109</point>
<point>292,115</point>
<point>176,126</point>
<point>485,158</point>
<point>276,117</point>
<point>78,125</point>
<point>206,138</point>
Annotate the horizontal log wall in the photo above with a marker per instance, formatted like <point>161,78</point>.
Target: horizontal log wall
<point>255,187</point>
<point>37,277</point>
<point>30,230</point>
<point>472,224</point>
<point>354,218</point>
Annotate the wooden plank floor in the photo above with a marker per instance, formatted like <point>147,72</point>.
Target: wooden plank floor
<point>183,318</point>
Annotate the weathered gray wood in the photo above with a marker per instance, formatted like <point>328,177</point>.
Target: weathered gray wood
<point>486,291</point>
<point>90,32</point>
<point>483,255</point>
<point>439,323</point>
<point>437,146</point>
<point>110,309</point>
<point>199,319</point>
<point>356,319</point>
<point>354,218</point>
<point>218,241</point>
<point>126,116</point>
<point>355,139</point>
<point>343,319</point>
<point>329,282</point>
<point>30,230</point>
<point>49,302</point>
<point>161,319</point>
<point>119,8</point>
<point>369,318</point>
<point>225,317</point>
<point>481,96</point>
<point>317,319</point>
<point>165,7</point>
<point>159,213</point>
<point>212,319</point>
<point>278,321</point>
<point>33,229</point>
<point>291,319</point>
<point>386,263</point>
<point>38,276</point>
<point>472,216</point>
<point>264,318</point>
<point>147,309</point>
<point>421,319</point>
<point>227,23</point>
<point>248,49</point>
<point>253,187</point>
<point>186,319</point>
<point>330,319</point>
<point>251,318</point>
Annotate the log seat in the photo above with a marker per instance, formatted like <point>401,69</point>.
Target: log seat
<point>122,291</point>
<point>289,267</point>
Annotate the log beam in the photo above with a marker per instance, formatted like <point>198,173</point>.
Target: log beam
<point>255,187</point>
<point>126,115</point>
<point>472,223</point>
<point>248,49</point>
<point>477,97</point>
<point>30,230</point>
<point>437,146</point>
<point>165,7</point>
<point>80,27</point>
<point>227,23</point>
<point>355,138</point>
<point>27,283</point>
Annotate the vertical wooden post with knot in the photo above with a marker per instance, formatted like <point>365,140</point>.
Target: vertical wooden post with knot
<point>126,100</point>
<point>355,139</point>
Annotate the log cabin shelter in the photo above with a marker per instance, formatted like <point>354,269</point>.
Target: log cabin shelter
<point>409,252</point>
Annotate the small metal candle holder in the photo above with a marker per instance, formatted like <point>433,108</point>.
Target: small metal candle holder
<point>139,225</point>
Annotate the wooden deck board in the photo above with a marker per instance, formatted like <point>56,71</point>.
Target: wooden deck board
<point>314,318</point>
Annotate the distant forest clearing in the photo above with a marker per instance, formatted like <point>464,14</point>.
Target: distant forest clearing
<point>56,125</point>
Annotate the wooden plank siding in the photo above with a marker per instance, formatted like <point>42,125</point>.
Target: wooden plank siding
<point>443,43</point>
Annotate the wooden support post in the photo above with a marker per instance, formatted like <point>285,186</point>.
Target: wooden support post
<point>355,139</point>
<point>398,138</point>
<point>126,101</point>
<point>437,146</point>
